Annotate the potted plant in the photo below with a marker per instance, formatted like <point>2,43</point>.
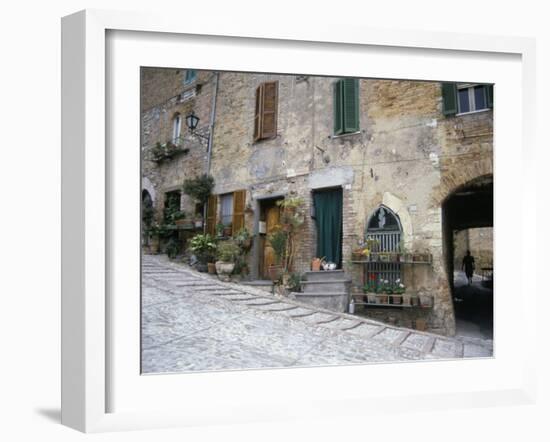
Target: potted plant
<point>243,239</point>
<point>219,230</point>
<point>204,247</point>
<point>172,248</point>
<point>227,253</point>
<point>177,217</point>
<point>227,230</point>
<point>398,289</point>
<point>316,264</point>
<point>370,289</point>
<point>211,268</point>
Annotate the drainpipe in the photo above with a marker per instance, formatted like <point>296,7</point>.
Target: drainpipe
<point>212,122</point>
<point>210,138</point>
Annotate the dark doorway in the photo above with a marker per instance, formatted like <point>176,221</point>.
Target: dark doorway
<point>466,213</point>
<point>328,218</point>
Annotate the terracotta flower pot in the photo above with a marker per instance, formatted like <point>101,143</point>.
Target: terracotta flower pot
<point>396,299</point>
<point>316,264</point>
<point>420,324</point>
<point>275,272</point>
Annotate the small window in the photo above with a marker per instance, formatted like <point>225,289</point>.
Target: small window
<point>265,112</point>
<point>461,98</point>
<point>346,106</point>
<point>176,130</point>
<point>190,76</point>
<point>471,98</point>
<point>226,203</point>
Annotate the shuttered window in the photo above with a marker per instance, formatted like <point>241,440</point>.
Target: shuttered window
<point>265,116</point>
<point>211,214</point>
<point>231,213</point>
<point>346,106</point>
<point>465,98</point>
<point>239,199</point>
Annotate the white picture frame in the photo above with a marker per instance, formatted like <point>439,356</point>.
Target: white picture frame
<point>87,216</point>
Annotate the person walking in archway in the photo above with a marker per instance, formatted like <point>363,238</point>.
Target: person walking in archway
<point>468,265</point>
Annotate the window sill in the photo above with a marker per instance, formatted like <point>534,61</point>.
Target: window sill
<point>345,135</point>
<point>473,112</point>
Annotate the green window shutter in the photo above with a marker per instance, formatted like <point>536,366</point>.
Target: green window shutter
<point>489,94</point>
<point>190,76</point>
<point>351,104</point>
<point>450,105</point>
<point>337,106</point>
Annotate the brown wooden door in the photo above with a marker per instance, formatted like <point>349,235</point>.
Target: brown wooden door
<point>272,220</point>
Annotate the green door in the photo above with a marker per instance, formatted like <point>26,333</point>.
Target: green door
<point>328,216</point>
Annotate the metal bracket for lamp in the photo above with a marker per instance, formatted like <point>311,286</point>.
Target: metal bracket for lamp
<point>192,121</point>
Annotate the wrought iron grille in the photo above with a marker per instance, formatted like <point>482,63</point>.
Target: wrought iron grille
<point>387,241</point>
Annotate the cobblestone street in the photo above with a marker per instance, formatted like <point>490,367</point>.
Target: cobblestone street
<point>191,322</point>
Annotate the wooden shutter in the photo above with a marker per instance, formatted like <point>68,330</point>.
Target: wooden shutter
<point>337,106</point>
<point>258,113</point>
<point>239,200</point>
<point>211,214</point>
<point>448,92</point>
<point>351,104</point>
<point>269,109</point>
<point>489,95</point>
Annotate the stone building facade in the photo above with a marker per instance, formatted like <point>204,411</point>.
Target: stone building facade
<point>404,146</point>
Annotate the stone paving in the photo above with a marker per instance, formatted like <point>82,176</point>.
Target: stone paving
<point>192,321</point>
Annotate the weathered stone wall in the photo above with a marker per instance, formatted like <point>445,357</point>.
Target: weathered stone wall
<point>480,243</point>
<point>407,156</point>
<point>157,127</point>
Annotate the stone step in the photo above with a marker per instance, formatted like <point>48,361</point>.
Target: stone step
<point>326,275</point>
<point>337,301</point>
<point>324,286</point>
<point>260,284</point>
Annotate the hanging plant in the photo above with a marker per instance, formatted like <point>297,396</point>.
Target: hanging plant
<point>199,188</point>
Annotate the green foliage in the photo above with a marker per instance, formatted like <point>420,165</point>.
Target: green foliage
<point>173,248</point>
<point>278,240</point>
<point>242,235</point>
<point>294,282</point>
<point>159,230</point>
<point>283,238</point>
<point>203,246</point>
<point>228,251</point>
<point>199,188</point>
<point>166,151</point>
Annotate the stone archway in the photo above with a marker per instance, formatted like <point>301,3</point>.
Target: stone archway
<point>468,207</point>
<point>147,185</point>
<point>456,177</point>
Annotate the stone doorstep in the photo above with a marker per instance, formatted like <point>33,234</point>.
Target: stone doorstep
<point>258,292</point>
<point>318,294</point>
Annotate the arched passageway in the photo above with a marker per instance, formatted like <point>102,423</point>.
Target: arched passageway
<point>467,215</point>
